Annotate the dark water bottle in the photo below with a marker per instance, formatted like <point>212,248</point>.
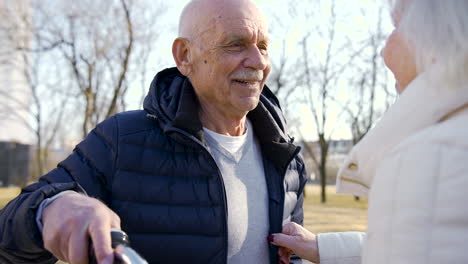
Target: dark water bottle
<point>126,254</point>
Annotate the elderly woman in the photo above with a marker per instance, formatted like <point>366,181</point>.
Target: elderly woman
<point>414,163</point>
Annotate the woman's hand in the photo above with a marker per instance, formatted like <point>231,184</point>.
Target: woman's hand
<point>298,240</point>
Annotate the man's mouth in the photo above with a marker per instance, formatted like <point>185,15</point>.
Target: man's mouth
<point>247,82</point>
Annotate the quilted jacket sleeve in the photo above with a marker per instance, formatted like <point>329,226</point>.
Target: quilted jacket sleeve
<point>297,216</point>
<point>340,247</point>
<point>417,205</point>
<point>86,170</point>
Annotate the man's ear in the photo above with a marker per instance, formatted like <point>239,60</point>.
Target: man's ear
<point>182,56</point>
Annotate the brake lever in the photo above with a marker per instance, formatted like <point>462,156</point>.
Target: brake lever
<point>125,254</point>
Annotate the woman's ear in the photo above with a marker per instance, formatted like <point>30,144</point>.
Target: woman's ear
<point>181,54</point>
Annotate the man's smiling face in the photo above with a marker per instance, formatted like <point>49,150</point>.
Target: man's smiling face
<point>230,58</point>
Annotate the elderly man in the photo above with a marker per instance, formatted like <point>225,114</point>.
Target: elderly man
<point>202,175</point>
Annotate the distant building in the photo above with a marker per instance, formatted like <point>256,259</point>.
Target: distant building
<point>15,96</point>
<point>14,163</point>
<point>337,152</point>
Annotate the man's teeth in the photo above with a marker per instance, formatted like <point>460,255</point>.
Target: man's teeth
<point>245,82</point>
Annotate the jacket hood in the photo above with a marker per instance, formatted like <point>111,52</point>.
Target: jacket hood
<point>172,100</point>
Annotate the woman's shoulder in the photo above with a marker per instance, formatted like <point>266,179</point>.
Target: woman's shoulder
<point>449,135</point>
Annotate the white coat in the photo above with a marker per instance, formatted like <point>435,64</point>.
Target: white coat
<point>414,167</point>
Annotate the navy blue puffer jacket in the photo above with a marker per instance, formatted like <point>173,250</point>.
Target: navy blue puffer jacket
<point>153,169</point>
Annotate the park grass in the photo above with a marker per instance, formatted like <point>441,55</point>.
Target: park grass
<point>6,194</point>
<point>339,213</point>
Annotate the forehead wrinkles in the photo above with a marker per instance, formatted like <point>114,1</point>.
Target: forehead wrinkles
<point>237,27</point>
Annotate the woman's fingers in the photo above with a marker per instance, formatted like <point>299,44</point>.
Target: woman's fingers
<point>291,229</point>
<point>283,240</point>
<point>298,240</point>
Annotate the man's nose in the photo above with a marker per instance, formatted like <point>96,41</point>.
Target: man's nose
<point>257,59</point>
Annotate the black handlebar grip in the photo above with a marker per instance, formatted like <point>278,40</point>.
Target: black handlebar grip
<point>119,237</point>
<point>129,256</point>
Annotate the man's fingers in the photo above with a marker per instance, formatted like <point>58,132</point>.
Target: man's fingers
<point>108,260</point>
<point>115,221</point>
<point>52,243</point>
<point>101,239</point>
<point>78,248</point>
<point>71,220</point>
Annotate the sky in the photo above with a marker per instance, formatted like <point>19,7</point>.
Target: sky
<point>355,27</point>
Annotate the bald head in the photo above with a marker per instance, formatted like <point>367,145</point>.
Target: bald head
<point>200,16</point>
<point>223,49</point>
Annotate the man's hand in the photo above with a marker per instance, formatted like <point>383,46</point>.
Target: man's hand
<point>298,240</point>
<point>69,224</point>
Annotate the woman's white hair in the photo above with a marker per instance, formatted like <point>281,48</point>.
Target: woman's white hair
<point>438,31</point>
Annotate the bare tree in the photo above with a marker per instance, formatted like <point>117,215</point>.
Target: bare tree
<point>97,42</point>
<point>28,108</point>
<point>285,77</point>
<point>76,60</point>
<point>368,83</point>
<point>323,71</point>
<point>333,57</point>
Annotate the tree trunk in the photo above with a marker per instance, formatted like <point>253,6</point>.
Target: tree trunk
<point>323,166</point>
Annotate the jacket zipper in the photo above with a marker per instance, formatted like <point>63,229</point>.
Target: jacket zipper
<point>196,140</point>
<point>293,156</point>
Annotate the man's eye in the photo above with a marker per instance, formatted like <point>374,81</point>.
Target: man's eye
<point>235,45</point>
<point>263,49</point>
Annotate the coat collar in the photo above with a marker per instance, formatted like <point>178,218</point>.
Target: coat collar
<point>429,99</point>
<point>172,100</point>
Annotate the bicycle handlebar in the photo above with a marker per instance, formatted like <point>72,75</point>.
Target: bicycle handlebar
<point>128,255</point>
